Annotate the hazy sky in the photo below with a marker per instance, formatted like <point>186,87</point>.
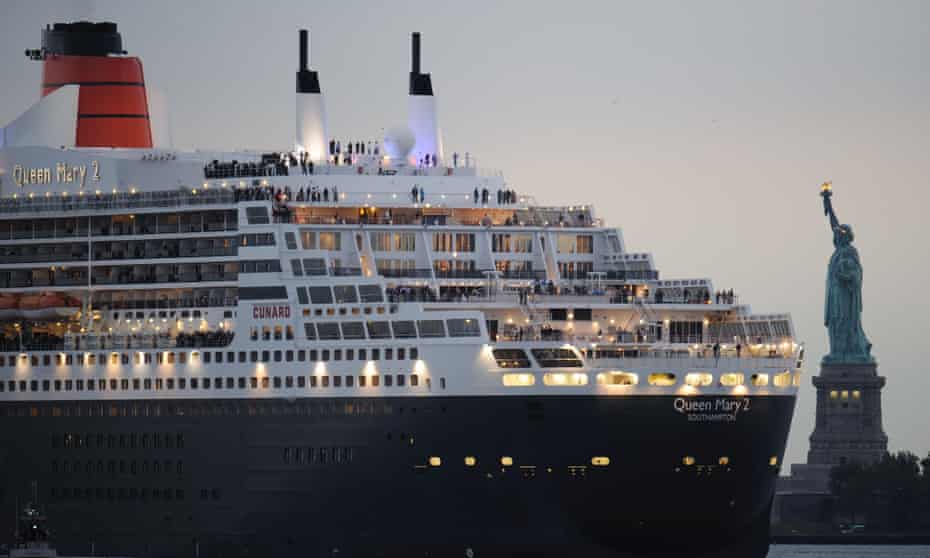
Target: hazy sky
<point>702,129</point>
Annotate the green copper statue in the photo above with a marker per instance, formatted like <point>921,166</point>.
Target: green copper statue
<point>843,308</point>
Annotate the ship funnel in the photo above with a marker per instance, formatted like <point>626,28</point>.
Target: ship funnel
<point>113,108</point>
<point>311,110</point>
<point>422,112</point>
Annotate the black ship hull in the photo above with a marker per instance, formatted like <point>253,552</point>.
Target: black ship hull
<point>392,476</point>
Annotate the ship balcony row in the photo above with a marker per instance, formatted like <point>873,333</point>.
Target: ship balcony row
<point>120,275</point>
<point>124,224</point>
<point>120,250</point>
<point>25,206</point>
<point>95,341</point>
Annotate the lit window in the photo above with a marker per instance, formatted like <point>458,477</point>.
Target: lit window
<point>834,394</point>
<point>470,461</point>
<point>856,394</point>
<point>844,394</point>
<point>724,460</point>
<point>797,379</point>
<point>618,379</point>
<point>600,461</point>
<point>699,379</point>
<point>435,461</point>
<point>760,380</point>
<point>518,380</point>
<point>558,379</point>
<point>664,379</point>
<point>773,461</point>
<point>506,461</point>
<point>731,379</point>
<point>782,380</point>
<point>688,460</point>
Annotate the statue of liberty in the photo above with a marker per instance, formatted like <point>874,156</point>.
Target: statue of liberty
<point>843,305</point>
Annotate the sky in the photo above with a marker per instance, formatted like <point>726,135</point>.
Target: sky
<point>701,129</point>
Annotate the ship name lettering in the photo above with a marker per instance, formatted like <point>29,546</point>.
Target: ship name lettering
<point>61,173</point>
<point>276,312</point>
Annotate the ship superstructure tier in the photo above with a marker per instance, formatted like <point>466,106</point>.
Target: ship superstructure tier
<point>349,279</point>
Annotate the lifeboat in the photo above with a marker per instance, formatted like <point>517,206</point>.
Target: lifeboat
<point>47,306</point>
<point>9,306</point>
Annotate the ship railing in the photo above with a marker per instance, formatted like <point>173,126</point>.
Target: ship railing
<point>117,201</point>
<point>406,273</point>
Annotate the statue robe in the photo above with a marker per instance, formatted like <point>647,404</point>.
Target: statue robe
<point>843,308</point>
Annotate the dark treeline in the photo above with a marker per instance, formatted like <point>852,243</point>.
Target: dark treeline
<point>891,495</point>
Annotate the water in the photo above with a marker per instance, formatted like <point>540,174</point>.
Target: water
<point>847,551</point>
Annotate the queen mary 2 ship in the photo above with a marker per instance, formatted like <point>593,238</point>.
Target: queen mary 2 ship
<point>368,347</point>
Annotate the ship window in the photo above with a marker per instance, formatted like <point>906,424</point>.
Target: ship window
<point>277,356</point>
<point>345,294</point>
<point>276,382</point>
<point>556,358</point>
<point>687,460</point>
<point>431,328</point>
<point>363,354</point>
<point>376,354</point>
<point>388,380</point>
<point>506,461</point>
<point>600,461</point>
<point>290,240</point>
<point>699,379</point>
<point>370,293</point>
<point>731,379</point>
<point>242,356</point>
<point>301,381</point>
<point>353,330</point>
<point>257,215</point>
<point>253,356</point>
<point>350,354</point>
<point>404,329</point>
<point>309,331</point>
<point>169,383</point>
<point>265,356</point>
<point>562,379</point>
<point>782,380</point>
<point>321,295</point>
<point>289,356</point>
<point>618,379</point>
<point>324,381</point>
<point>724,460</point>
<point>314,266</point>
<point>207,357</point>
<point>514,380</point>
<point>324,355</point>
<point>664,379</point>
<point>337,381</point>
<point>308,239</point>
<point>375,381</point>
<point>302,295</point>
<point>511,358</point>
<point>760,380</point>
<point>337,354</point>
<point>301,355</point>
<point>328,330</point>
<point>296,268</point>
<point>379,330</point>
<point>464,327</point>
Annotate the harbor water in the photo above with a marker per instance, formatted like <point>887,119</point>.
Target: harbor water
<point>848,551</point>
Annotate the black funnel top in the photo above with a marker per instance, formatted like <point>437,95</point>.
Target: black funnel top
<point>307,81</point>
<point>420,84</point>
<point>82,38</point>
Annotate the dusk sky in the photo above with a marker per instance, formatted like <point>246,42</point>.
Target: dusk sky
<point>702,129</point>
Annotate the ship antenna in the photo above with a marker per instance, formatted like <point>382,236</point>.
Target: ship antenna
<point>415,52</point>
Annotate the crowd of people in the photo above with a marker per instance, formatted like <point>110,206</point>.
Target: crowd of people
<point>504,197</point>
<point>724,297</point>
<point>348,153</point>
<point>272,164</point>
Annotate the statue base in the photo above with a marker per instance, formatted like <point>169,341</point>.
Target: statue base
<point>849,415</point>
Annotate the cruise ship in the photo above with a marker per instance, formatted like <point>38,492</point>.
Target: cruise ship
<point>354,348</point>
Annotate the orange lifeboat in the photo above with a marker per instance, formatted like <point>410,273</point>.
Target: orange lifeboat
<point>47,306</point>
<point>9,306</point>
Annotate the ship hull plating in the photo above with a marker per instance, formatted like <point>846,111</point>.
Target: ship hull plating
<point>391,476</point>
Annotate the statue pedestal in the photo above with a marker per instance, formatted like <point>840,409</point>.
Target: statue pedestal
<point>849,415</point>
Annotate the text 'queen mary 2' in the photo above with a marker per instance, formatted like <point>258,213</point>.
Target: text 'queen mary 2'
<point>365,346</point>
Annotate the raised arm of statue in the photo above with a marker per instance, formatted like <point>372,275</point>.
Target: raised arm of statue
<point>826,190</point>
